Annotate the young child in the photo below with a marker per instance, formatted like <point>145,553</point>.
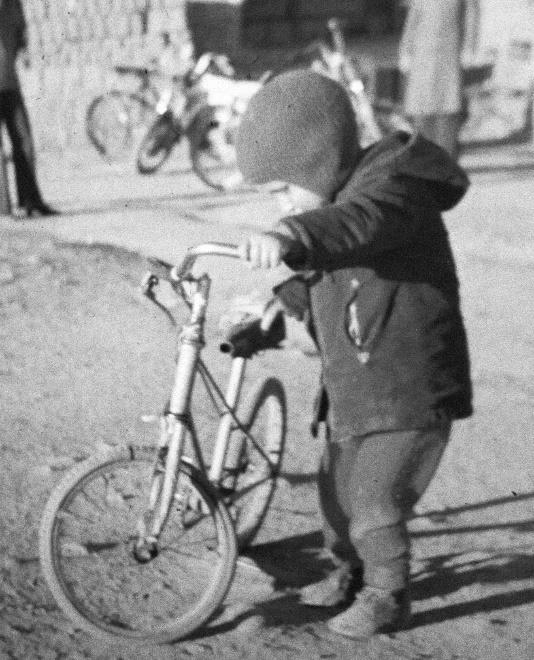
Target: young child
<point>376,283</point>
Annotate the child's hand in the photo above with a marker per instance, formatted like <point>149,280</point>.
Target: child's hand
<point>264,250</point>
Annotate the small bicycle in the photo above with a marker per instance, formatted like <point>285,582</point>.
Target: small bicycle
<point>141,542</point>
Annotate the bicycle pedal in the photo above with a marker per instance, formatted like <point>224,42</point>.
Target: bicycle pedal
<point>145,551</point>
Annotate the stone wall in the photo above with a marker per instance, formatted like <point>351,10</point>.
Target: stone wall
<point>73,45</point>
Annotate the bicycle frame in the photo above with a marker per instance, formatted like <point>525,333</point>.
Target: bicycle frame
<point>145,75</point>
<point>187,366</point>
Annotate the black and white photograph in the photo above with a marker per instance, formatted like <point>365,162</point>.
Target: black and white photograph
<point>266,329</point>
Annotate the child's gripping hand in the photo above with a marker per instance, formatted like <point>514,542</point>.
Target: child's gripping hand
<point>265,250</point>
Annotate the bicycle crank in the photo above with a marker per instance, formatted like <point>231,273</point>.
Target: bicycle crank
<point>145,550</point>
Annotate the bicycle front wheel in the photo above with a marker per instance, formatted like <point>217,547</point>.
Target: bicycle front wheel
<point>87,550</point>
<point>257,457</point>
<point>114,122</point>
<point>157,144</point>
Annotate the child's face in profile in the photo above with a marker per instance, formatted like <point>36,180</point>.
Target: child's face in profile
<point>294,199</point>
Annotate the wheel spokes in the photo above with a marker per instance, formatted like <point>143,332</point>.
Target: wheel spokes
<point>95,539</point>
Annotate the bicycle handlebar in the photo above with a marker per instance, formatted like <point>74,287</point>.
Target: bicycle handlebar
<point>167,271</point>
<point>205,250</point>
<point>175,274</point>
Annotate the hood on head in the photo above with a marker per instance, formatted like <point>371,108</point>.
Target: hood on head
<point>423,171</point>
<point>299,128</point>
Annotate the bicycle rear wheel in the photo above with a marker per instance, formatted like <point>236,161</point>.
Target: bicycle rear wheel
<point>114,122</point>
<point>254,470</point>
<point>87,540</point>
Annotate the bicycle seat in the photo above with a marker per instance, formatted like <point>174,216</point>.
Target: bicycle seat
<point>246,338</point>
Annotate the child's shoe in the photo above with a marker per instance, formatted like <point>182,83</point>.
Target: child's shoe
<point>338,588</point>
<point>374,611</point>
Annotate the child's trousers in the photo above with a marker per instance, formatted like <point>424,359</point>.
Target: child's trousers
<point>367,488</point>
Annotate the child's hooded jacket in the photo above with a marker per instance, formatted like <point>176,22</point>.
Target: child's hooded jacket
<point>381,290</point>
<point>380,286</point>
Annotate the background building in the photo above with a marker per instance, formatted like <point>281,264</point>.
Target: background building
<point>74,43</point>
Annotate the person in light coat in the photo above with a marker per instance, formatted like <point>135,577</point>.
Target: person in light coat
<point>430,56</point>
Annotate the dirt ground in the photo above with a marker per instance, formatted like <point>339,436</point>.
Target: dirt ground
<point>85,360</point>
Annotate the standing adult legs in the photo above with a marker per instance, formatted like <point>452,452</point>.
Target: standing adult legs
<point>13,113</point>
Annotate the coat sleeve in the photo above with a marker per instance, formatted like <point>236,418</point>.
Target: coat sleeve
<point>342,233</point>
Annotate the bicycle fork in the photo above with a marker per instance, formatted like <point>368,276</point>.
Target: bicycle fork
<point>174,428</point>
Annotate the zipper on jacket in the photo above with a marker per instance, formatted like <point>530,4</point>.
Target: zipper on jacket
<point>354,327</point>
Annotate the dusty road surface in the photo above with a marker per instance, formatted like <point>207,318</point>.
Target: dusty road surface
<point>83,360</point>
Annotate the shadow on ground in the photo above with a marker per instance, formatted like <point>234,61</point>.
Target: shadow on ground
<point>296,561</point>
<point>188,202</point>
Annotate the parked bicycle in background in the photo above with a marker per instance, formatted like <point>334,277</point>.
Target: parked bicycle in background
<point>206,111</point>
<point>116,119</point>
<point>119,117</point>
<point>203,101</point>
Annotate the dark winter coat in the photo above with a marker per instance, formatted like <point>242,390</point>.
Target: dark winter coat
<point>12,39</point>
<point>380,290</point>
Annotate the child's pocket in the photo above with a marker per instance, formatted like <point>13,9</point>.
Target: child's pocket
<point>367,313</point>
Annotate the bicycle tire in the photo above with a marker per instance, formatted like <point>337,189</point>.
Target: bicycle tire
<point>113,121</point>
<point>97,596</point>
<point>212,150</point>
<point>249,502</point>
<point>156,145</point>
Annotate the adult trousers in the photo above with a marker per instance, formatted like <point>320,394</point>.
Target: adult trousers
<point>441,129</point>
<point>368,486</point>
<point>15,117</point>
